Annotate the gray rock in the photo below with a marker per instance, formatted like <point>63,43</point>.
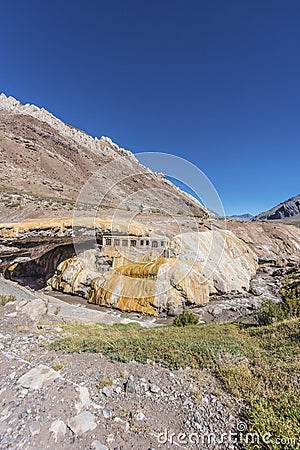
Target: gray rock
<point>38,377</point>
<point>58,429</point>
<point>34,309</point>
<point>106,391</point>
<point>84,398</point>
<point>34,428</point>
<point>107,413</point>
<point>154,389</point>
<point>130,387</point>
<point>82,423</point>
<point>96,445</point>
<point>140,416</point>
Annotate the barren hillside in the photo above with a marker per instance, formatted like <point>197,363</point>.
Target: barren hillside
<point>45,163</point>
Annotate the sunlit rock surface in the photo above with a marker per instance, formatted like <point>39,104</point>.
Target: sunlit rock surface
<point>64,226</point>
<point>208,263</point>
<point>225,259</point>
<point>74,277</point>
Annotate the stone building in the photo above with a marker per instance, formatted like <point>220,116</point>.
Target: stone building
<point>124,241</point>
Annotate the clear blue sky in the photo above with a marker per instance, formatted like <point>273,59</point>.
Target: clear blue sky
<point>216,82</point>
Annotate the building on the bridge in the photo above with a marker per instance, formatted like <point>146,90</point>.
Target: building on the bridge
<point>124,241</point>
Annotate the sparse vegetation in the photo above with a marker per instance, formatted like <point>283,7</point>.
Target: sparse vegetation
<point>289,308</point>
<point>57,310</point>
<point>186,318</point>
<point>104,382</point>
<point>253,363</point>
<point>291,294</point>
<point>4,299</point>
<point>269,312</point>
<point>57,365</point>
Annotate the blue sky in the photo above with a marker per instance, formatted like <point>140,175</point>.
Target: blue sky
<point>215,82</point>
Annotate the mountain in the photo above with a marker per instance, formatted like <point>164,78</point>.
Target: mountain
<point>285,210</point>
<point>244,217</point>
<point>45,163</point>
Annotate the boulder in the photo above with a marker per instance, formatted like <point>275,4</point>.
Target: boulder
<point>58,428</point>
<point>82,423</point>
<point>34,309</point>
<point>38,377</point>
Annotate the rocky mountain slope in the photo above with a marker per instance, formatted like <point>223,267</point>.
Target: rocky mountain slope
<point>288,209</point>
<point>44,164</point>
<point>270,242</point>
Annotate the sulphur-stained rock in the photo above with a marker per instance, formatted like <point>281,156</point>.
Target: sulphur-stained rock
<point>70,277</point>
<point>210,262</point>
<point>149,288</point>
<point>74,275</point>
<point>38,377</point>
<point>82,423</point>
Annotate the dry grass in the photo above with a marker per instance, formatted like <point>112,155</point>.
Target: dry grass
<point>4,299</point>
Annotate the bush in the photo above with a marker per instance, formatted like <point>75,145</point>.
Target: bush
<point>186,318</point>
<point>270,312</point>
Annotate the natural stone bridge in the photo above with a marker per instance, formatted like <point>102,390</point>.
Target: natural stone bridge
<point>34,248</point>
<point>138,276</point>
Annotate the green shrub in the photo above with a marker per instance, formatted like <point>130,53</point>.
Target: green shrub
<point>186,318</point>
<point>270,312</point>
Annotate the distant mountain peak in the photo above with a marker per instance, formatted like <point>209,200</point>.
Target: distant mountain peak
<point>287,209</point>
<point>245,217</point>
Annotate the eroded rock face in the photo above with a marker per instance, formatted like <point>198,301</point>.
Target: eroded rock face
<point>208,263</point>
<point>34,248</point>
